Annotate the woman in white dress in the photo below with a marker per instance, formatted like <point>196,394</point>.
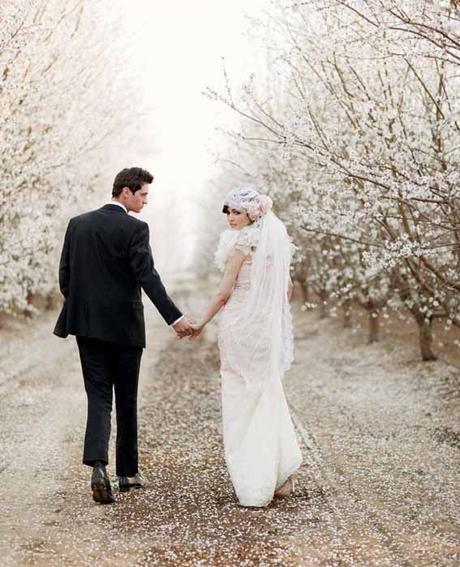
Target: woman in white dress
<point>256,348</point>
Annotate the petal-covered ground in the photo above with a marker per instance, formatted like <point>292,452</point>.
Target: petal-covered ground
<point>379,432</point>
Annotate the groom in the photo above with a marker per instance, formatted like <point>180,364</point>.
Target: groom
<point>106,260</point>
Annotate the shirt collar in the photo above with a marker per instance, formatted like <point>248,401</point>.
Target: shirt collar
<point>119,204</point>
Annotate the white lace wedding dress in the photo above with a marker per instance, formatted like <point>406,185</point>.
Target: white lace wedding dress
<point>261,449</point>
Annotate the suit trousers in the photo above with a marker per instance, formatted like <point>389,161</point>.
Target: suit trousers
<point>109,367</point>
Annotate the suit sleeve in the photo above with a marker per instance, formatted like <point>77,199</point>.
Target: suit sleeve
<point>64,265</point>
<point>141,261</point>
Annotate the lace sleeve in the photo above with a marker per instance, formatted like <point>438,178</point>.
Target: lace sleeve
<point>226,243</point>
<point>247,240</point>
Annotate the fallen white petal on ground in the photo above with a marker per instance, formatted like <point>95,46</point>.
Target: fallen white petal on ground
<point>378,429</point>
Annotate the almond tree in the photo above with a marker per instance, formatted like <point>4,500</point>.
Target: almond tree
<point>59,105</point>
<point>364,101</point>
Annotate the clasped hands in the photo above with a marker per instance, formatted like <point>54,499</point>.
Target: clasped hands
<point>184,328</point>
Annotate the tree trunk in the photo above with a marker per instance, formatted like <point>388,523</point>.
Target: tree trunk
<point>425,331</point>
<point>305,291</point>
<point>346,307</point>
<point>374,325</point>
<point>323,310</point>
<point>53,301</point>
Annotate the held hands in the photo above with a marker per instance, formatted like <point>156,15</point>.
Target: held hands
<point>197,330</point>
<point>184,328</point>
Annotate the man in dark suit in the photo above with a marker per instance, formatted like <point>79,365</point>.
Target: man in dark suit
<point>106,260</point>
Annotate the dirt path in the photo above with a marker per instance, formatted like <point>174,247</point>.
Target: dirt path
<point>379,486</point>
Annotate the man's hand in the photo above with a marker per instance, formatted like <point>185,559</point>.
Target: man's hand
<point>183,328</point>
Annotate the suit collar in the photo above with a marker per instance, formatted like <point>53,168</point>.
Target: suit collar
<point>118,204</point>
<point>115,208</point>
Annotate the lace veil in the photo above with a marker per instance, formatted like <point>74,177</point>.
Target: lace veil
<point>262,338</point>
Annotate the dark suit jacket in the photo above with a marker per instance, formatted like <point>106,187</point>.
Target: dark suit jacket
<point>105,261</point>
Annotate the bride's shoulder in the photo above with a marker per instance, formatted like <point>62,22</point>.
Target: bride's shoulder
<point>227,241</point>
<point>248,238</point>
<point>244,240</point>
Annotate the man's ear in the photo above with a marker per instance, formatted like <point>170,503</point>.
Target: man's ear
<point>126,191</point>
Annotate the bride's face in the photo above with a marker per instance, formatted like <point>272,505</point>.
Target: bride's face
<point>237,219</point>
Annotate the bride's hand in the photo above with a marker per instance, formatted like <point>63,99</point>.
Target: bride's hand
<point>197,329</point>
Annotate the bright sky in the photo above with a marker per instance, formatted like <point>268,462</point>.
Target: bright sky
<point>179,53</point>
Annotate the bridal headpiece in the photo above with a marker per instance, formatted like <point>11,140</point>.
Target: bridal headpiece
<point>248,200</point>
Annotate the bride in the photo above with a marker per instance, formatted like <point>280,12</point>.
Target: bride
<point>256,348</point>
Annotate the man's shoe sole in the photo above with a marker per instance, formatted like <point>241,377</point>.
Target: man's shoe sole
<point>127,487</point>
<point>101,493</point>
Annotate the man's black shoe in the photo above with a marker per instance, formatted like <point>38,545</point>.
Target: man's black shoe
<point>100,485</point>
<point>127,482</point>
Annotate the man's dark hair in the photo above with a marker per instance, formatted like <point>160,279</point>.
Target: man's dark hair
<point>132,177</point>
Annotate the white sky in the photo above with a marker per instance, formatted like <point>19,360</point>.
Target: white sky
<point>178,53</point>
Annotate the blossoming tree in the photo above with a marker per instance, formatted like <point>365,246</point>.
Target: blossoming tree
<point>354,129</point>
<point>60,102</point>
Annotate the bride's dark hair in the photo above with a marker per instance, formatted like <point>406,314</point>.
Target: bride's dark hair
<point>226,210</point>
<point>132,177</point>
